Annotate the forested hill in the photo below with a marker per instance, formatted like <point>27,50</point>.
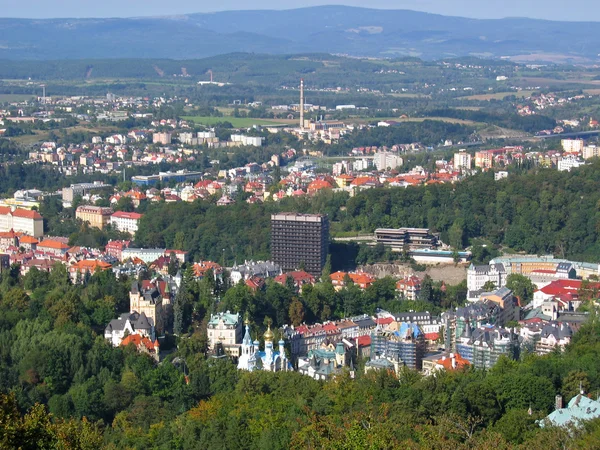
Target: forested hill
<point>331,29</point>
<point>541,211</point>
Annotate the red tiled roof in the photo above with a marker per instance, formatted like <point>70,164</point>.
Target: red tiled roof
<point>432,336</point>
<point>384,320</point>
<point>49,243</point>
<point>363,341</point>
<point>138,340</point>
<point>127,215</point>
<point>18,212</point>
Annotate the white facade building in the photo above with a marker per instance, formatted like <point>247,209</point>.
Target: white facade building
<point>478,276</point>
<point>125,221</point>
<point>385,160</point>
<point>568,163</point>
<point>572,145</point>
<point>21,220</point>
<point>462,160</point>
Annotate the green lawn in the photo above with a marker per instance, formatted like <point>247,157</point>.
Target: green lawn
<point>9,98</point>
<point>237,122</point>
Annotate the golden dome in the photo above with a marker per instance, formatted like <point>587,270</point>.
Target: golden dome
<point>268,336</point>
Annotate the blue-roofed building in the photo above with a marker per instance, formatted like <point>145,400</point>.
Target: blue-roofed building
<point>580,408</point>
<point>407,345</point>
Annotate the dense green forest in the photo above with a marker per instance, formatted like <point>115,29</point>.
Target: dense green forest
<point>53,358</point>
<point>539,211</point>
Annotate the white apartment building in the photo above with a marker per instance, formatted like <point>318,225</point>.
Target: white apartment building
<point>125,221</point>
<point>478,276</point>
<point>568,163</point>
<point>590,151</point>
<point>385,160</point>
<point>255,141</point>
<point>161,138</point>
<point>462,160</point>
<point>21,220</point>
<point>572,145</point>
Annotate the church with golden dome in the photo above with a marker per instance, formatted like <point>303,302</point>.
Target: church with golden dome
<point>252,358</point>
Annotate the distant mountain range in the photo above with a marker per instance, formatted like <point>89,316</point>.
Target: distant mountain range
<point>325,29</point>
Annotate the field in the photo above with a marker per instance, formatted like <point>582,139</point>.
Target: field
<point>9,98</point>
<point>497,95</point>
<point>237,122</point>
<point>411,119</point>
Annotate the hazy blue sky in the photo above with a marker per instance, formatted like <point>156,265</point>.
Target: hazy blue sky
<point>543,9</point>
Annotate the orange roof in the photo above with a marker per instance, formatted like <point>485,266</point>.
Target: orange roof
<point>28,240</point>
<point>24,213</point>
<point>318,185</point>
<point>138,340</point>
<point>360,181</point>
<point>49,243</point>
<point>460,362</point>
<point>91,264</point>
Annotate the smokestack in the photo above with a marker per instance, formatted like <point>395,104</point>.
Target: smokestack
<point>301,104</point>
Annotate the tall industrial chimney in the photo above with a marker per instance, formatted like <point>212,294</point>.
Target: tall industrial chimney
<point>301,104</point>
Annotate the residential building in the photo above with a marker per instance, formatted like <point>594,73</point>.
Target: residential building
<point>449,362</point>
<point>21,220</point>
<point>387,161</point>
<point>362,280</point>
<point>509,308</point>
<point>406,346</point>
<point>299,278</point>
<point>400,239</point>
<point>483,346</point>
<point>115,248</point>
<point>96,216</point>
<point>53,247</point>
<point>154,300</point>
<point>300,239</point>
<point>544,337</point>
<point>262,269</point>
<point>148,255</point>
<point>128,323</point>
<point>590,151</point>
<point>484,159</point>
<point>225,328</point>
<point>325,362</point>
<point>161,138</point>
<point>126,222</point>
<point>251,358</point>
<point>567,163</point>
<point>409,288</point>
<point>82,270</point>
<point>81,189</point>
<point>572,145</point>
<point>462,160</point>
<point>143,344</point>
<point>579,410</point>
<point>478,276</point>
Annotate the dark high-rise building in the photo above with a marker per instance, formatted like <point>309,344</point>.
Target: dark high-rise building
<point>300,239</point>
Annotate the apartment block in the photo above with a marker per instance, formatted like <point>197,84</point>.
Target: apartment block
<point>300,240</point>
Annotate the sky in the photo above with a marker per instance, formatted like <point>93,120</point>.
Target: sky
<point>574,10</point>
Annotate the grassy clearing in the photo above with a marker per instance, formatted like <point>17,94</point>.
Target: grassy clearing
<point>497,95</point>
<point>237,122</point>
<point>411,119</point>
<point>9,98</point>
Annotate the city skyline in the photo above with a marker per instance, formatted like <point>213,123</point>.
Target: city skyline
<point>580,10</point>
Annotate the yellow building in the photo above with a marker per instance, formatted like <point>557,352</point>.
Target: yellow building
<point>96,216</point>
